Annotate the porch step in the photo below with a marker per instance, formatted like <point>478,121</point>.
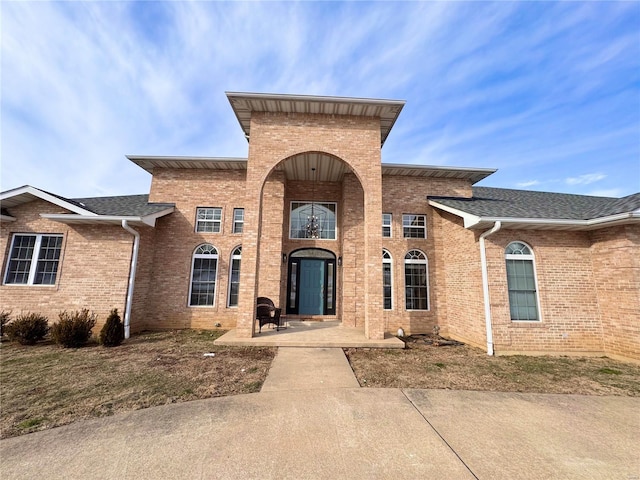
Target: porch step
<point>311,335</point>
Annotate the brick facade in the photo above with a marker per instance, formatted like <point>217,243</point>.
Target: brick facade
<point>588,281</point>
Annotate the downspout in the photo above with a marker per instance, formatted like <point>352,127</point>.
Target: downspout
<point>132,276</point>
<point>485,285</point>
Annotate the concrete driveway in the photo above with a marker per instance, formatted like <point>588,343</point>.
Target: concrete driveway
<point>319,430</point>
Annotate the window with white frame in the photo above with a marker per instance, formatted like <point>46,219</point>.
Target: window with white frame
<point>234,277</point>
<point>238,220</point>
<point>209,220</point>
<point>204,269</point>
<point>414,226</point>
<point>386,225</point>
<point>320,214</point>
<point>387,280</point>
<point>416,281</point>
<point>33,259</point>
<point>521,282</point>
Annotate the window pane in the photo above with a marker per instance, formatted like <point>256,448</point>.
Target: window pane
<point>414,226</point>
<point>324,214</point>
<point>386,225</point>
<point>416,294</point>
<point>522,291</point>
<point>294,278</point>
<point>238,220</point>
<point>208,220</point>
<point>203,280</point>
<point>234,288</point>
<point>386,285</point>
<point>48,257</point>
<point>330,286</point>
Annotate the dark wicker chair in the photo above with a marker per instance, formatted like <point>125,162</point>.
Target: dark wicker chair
<point>267,312</point>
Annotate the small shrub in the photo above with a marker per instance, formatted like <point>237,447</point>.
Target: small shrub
<point>5,318</point>
<point>112,332</point>
<point>73,330</point>
<point>27,328</point>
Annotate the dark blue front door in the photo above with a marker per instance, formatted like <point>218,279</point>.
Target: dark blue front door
<point>311,286</point>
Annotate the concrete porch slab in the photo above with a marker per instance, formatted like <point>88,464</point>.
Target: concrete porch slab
<point>310,334</point>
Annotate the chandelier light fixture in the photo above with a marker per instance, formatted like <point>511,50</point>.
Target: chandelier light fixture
<point>312,227</point>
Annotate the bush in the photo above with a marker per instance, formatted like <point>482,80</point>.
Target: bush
<point>5,318</point>
<point>74,328</point>
<point>112,332</point>
<point>27,328</point>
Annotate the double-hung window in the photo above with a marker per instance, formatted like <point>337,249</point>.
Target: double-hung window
<point>33,259</point>
<point>414,226</point>
<point>204,270</point>
<point>238,220</point>
<point>386,225</point>
<point>209,220</point>
<point>521,282</point>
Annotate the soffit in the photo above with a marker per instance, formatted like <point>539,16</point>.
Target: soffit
<point>474,175</point>
<point>244,104</point>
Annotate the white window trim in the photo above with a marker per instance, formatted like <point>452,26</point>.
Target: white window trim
<point>193,261</point>
<point>233,228</point>
<point>424,262</point>
<point>231,259</point>
<point>390,224</point>
<point>411,226</point>
<point>34,260</point>
<point>220,222</point>
<point>531,256</point>
<point>390,262</point>
<point>321,202</point>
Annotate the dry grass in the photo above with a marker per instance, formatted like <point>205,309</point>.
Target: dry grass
<point>423,365</point>
<point>44,386</point>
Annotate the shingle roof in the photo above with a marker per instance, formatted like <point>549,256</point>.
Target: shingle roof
<point>124,205</point>
<point>508,203</point>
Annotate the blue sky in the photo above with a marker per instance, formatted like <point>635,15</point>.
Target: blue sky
<point>547,93</point>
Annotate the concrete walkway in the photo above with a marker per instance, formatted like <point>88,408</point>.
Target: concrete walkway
<point>304,426</point>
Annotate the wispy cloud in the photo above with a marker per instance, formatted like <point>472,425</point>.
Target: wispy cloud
<point>530,183</point>
<point>585,179</point>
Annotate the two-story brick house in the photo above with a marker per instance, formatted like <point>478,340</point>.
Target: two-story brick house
<point>313,219</point>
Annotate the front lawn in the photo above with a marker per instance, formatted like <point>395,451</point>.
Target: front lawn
<point>45,385</point>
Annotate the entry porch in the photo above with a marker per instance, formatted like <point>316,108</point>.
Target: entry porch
<point>327,334</point>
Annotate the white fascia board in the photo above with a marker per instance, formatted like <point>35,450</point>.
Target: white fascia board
<point>112,219</point>
<point>29,190</point>
<point>149,220</point>
<point>469,219</point>
<point>592,224</point>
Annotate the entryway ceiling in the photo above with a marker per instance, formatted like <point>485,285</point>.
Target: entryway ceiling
<point>328,168</point>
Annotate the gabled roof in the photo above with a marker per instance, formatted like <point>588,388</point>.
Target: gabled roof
<point>136,209</point>
<point>244,104</point>
<point>539,210</point>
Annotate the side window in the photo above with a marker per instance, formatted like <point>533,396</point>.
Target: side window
<point>234,277</point>
<point>416,281</point>
<point>204,269</point>
<point>521,282</point>
<point>387,281</point>
<point>238,220</point>
<point>33,259</point>
<point>209,220</point>
<point>386,225</point>
<point>414,226</point>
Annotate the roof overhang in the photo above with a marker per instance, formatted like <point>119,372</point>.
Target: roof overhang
<point>7,218</point>
<point>474,175</point>
<point>475,222</point>
<point>27,193</point>
<point>211,163</point>
<point>244,104</point>
<point>69,219</point>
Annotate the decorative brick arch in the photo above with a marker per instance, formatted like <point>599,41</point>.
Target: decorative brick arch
<point>276,137</point>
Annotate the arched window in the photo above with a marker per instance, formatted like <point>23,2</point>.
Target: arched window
<point>234,277</point>
<point>387,280</point>
<point>521,281</point>
<point>416,281</point>
<point>204,268</point>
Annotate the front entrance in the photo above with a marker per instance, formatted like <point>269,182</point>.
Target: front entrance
<point>311,286</point>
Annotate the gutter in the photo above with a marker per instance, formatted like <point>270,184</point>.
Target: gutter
<point>132,276</point>
<point>485,285</point>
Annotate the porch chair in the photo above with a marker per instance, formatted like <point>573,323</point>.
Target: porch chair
<point>267,312</point>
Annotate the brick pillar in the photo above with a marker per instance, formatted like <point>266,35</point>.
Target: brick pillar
<point>374,320</point>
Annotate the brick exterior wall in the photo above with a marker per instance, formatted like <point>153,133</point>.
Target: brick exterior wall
<point>615,255</point>
<point>93,271</point>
